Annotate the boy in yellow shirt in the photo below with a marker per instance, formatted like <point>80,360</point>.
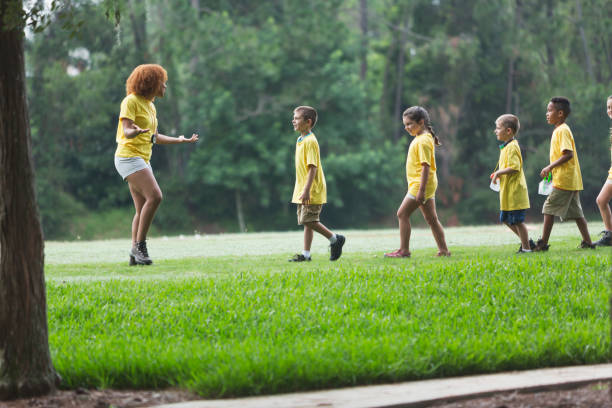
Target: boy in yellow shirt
<point>513,195</point>
<point>564,200</point>
<point>310,191</point>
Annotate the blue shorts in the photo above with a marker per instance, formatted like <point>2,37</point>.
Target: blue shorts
<point>512,217</point>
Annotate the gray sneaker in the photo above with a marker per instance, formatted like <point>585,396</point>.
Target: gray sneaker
<point>140,254</point>
<point>606,239</point>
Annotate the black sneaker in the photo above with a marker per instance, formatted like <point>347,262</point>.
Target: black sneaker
<point>140,254</point>
<point>300,258</point>
<point>532,244</point>
<point>522,251</point>
<point>586,245</point>
<point>606,239</point>
<point>336,247</point>
<point>540,246</point>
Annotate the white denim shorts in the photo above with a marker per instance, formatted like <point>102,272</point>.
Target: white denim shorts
<point>129,165</point>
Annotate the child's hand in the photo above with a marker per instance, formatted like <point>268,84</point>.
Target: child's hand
<point>494,177</point>
<point>305,197</point>
<point>420,197</point>
<point>545,171</point>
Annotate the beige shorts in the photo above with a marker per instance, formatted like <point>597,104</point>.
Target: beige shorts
<point>308,213</point>
<point>564,204</point>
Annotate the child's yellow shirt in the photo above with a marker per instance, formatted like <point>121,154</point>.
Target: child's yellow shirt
<point>566,176</point>
<point>421,150</point>
<point>513,193</point>
<point>307,153</point>
<point>142,112</point>
<point>610,171</point>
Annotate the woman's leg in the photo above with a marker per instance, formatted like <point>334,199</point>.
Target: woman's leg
<point>144,186</point>
<point>429,213</point>
<point>139,201</point>
<point>603,202</point>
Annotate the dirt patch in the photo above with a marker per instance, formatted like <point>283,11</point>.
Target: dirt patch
<point>82,398</point>
<point>588,396</point>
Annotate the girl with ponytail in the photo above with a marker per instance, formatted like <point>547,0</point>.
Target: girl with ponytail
<point>422,182</point>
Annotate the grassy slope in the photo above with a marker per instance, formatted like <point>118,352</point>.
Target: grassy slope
<point>235,325</point>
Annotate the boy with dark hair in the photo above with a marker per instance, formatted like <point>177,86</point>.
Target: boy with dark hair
<point>310,191</point>
<point>564,200</point>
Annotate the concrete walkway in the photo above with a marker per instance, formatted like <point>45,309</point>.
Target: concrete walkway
<point>420,393</point>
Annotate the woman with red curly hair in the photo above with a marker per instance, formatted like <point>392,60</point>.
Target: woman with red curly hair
<point>136,133</point>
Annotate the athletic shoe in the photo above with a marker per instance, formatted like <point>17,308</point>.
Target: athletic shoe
<point>300,258</point>
<point>522,251</point>
<point>336,247</point>
<point>132,260</point>
<point>585,245</point>
<point>141,254</point>
<point>540,246</point>
<point>606,239</point>
<point>532,246</point>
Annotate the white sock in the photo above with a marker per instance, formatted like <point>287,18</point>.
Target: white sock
<point>333,239</point>
<point>306,254</point>
<point>526,250</point>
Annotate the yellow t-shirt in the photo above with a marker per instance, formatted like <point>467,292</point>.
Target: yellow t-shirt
<point>143,113</point>
<point>307,153</point>
<point>567,176</point>
<point>610,171</point>
<point>513,193</point>
<point>421,150</point>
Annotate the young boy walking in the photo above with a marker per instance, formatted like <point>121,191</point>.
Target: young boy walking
<point>564,200</point>
<point>310,191</point>
<point>513,195</point>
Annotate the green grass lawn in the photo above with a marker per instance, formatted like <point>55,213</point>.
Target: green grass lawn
<point>227,315</point>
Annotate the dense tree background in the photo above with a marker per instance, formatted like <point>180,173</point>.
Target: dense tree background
<point>237,68</point>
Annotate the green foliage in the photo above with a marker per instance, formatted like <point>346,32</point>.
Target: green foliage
<point>249,325</point>
<point>238,68</point>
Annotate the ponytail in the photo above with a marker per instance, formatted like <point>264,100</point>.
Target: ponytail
<point>433,134</point>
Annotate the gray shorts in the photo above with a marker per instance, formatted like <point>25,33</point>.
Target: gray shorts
<point>564,204</point>
<point>129,165</point>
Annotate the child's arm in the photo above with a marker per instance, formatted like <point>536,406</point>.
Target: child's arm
<point>501,172</point>
<point>163,139</point>
<point>305,197</point>
<point>567,155</point>
<point>420,197</point>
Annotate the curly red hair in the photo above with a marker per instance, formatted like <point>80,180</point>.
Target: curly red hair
<point>145,80</point>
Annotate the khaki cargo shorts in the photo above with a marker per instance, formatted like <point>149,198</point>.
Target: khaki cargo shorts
<point>564,204</point>
<point>308,213</point>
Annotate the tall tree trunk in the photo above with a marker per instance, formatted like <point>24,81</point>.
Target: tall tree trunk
<point>399,80</point>
<point>585,46</point>
<point>25,362</point>
<point>550,52</point>
<point>138,18</point>
<point>239,211</point>
<point>363,24</point>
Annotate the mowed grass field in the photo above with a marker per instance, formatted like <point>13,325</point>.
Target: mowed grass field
<point>227,315</point>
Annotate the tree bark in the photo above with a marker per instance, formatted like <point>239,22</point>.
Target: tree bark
<point>25,362</point>
<point>399,80</point>
<point>363,24</point>
<point>585,45</point>
<point>239,211</point>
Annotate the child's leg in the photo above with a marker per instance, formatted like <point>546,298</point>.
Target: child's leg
<point>521,231</point>
<point>308,235</point>
<point>318,227</point>
<point>403,215</point>
<point>584,229</point>
<point>603,202</point>
<point>549,221</point>
<point>429,213</point>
